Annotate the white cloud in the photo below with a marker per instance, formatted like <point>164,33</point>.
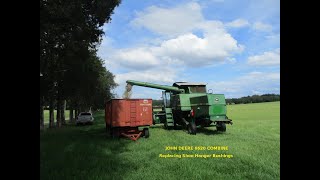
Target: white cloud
<point>215,47</point>
<point>184,38</point>
<point>162,62</point>
<point>194,51</point>
<point>138,58</point>
<point>143,92</point>
<point>238,23</point>
<point>275,37</point>
<point>248,84</point>
<point>270,58</point>
<point>159,75</point>
<point>262,27</point>
<point>169,21</point>
<point>180,45</point>
<point>256,92</point>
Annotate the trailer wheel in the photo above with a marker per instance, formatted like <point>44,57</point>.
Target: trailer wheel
<point>107,128</point>
<point>192,128</point>
<point>114,133</point>
<point>146,132</point>
<point>221,127</point>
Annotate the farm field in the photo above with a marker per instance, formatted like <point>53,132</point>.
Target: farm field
<point>88,152</point>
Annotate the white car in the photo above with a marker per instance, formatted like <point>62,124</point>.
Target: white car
<point>84,118</point>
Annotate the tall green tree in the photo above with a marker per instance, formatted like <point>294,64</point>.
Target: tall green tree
<point>69,32</point>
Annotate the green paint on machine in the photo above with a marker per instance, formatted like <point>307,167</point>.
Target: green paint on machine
<point>189,105</point>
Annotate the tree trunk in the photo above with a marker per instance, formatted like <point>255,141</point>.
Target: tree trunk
<point>76,113</point>
<point>41,113</point>
<point>51,113</point>
<point>63,108</point>
<point>71,115</point>
<point>58,113</point>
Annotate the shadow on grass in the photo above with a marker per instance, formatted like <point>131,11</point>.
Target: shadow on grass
<point>208,131</point>
<point>161,126</point>
<point>157,126</point>
<point>182,128</point>
<point>83,152</point>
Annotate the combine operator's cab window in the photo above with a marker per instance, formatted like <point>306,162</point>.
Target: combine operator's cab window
<point>197,89</point>
<point>166,98</point>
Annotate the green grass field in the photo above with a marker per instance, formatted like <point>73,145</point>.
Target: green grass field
<point>87,152</point>
<point>46,116</point>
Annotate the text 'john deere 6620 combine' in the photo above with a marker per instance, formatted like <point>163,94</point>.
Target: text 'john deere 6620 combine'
<point>189,105</point>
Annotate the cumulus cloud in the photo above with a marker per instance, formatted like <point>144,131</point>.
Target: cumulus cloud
<point>180,45</point>
<point>169,21</point>
<point>274,37</point>
<point>194,51</point>
<point>248,84</point>
<point>139,58</point>
<point>182,38</point>
<point>259,26</point>
<point>238,23</point>
<point>270,58</point>
<point>160,75</point>
<point>186,39</point>
<point>216,46</point>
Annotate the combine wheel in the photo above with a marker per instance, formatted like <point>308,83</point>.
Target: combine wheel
<point>192,128</point>
<point>146,132</point>
<point>174,125</point>
<point>221,127</point>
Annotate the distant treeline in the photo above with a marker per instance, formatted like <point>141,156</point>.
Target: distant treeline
<point>242,100</point>
<point>254,99</point>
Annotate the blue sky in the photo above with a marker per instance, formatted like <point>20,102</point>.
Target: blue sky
<point>231,45</point>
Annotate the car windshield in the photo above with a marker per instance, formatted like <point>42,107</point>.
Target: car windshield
<point>85,114</point>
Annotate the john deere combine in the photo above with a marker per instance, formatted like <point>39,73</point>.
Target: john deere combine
<point>189,104</point>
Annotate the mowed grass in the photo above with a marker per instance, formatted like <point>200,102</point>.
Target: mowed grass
<point>87,152</point>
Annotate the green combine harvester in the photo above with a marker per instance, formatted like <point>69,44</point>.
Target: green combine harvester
<point>189,105</point>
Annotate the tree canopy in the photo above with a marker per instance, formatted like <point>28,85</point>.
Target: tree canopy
<point>69,34</point>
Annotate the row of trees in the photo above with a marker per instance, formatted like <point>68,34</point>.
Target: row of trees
<point>254,99</point>
<point>70,70</point>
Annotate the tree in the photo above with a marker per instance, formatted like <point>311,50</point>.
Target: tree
<point>41,112</point>
<point>254,99</point>
<point>95,86</point>
<point>69,32</point>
